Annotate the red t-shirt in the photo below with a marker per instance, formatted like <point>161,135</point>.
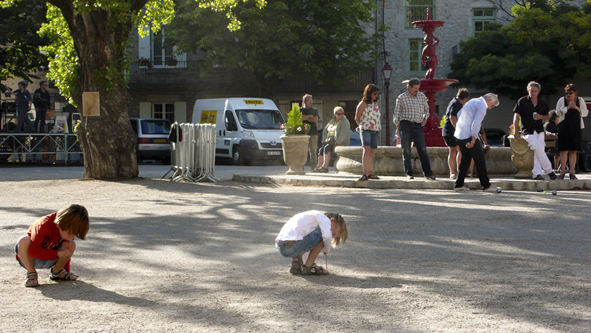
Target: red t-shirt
<point>45,237</point>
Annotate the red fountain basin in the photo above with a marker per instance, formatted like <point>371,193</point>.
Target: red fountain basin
<point>436,85</point>
<point>428,24</point>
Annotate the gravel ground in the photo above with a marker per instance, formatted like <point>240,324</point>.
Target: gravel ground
<point>164,256</point>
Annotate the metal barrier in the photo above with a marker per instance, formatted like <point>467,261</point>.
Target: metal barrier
<point>193,155</point>
<point>62,145</point>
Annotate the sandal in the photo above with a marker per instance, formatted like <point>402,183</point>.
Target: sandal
<point>296,266</point>
<point>62,276</point>
<point>364,177</point>
<point>372,176</point>
<point>572,176</point>
<point>561,177</point>
<point>32,280</point>
<point>313,270</point>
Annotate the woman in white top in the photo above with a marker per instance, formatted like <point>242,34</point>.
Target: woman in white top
<point>571,109</point>
<point>368,118</point>
<point>311,231</point>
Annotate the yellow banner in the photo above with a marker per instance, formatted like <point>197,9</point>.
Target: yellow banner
<point>253,102</point>
<point>208,117</point>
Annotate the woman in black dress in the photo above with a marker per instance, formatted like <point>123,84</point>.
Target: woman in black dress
<point>570,109</point>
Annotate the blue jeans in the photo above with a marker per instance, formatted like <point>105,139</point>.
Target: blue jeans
<point>39,263</point>
<point>410,132</point>
<point>369,138</point>
<point>300,247</point>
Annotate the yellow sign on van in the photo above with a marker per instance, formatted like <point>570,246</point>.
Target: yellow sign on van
<point>253,102</point>
<point>208,117</point>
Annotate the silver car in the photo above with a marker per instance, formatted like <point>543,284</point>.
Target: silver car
<point>152,139</point>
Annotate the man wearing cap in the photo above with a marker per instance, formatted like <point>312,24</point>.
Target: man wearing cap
<point>23,104</point>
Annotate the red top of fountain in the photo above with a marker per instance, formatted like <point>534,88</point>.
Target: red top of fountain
<point>428,24</point>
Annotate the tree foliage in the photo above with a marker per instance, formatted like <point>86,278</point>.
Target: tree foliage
<point>548,44</point>
<point>322,39</point>
<point>20,54</point>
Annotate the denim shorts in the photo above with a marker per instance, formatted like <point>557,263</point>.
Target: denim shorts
<point>370,138</point>
<point>300,247</point>
<point>39,263</point>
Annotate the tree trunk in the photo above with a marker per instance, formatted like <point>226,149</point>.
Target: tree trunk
<point>107,141</point>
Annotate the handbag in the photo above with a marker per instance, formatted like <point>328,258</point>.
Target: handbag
<point>331,140</point>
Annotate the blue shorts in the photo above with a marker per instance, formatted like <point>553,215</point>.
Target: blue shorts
<point>369,138</point>
<point>39,263</point>
<point>300,247</point>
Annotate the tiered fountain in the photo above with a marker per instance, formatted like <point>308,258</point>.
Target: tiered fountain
<point>429,85</point>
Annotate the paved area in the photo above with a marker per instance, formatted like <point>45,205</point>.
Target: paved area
<point>276,175</point>
<point>163,256</point>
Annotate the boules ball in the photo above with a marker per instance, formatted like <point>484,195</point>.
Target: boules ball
<point>554,192</point>
<point>499,190</point>
<point>540,189</point>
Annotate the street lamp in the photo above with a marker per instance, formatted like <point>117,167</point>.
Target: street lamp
<point>387,71</point>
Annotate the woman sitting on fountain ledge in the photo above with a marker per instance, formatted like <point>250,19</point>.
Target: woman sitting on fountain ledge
<point>336,133</point>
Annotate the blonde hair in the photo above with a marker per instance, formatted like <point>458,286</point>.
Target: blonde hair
<point>337,109</point>
<point>73,219</point>
<point>340,221</point>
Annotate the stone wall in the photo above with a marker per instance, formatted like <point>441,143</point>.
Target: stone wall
<point>388,161</point>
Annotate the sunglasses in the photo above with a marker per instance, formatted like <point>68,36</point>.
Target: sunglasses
<point>339,113</point>
<point>570,93</point>
<point>375,93</point>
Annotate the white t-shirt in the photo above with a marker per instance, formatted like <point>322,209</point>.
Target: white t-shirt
<point>304,223</point>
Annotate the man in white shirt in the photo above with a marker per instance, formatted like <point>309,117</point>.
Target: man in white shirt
<point>469,122</point>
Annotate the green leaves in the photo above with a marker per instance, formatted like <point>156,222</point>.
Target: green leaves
<point>321,39</point>
<point>547,44</point>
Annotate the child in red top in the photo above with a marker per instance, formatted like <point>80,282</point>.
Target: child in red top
<point>49,243</point>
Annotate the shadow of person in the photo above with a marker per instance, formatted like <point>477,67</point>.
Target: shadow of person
<point>368,282</point>
<point>80,290</point>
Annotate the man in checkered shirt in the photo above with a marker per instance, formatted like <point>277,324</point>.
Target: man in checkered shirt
<point>410,117</point>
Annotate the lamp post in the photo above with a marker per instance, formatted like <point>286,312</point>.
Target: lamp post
<point>387,71</point>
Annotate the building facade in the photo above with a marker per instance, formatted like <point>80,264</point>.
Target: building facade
<point>164,85</point>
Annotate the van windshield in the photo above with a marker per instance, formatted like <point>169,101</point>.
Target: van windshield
<point>155,126</point>
<point>260,119</point>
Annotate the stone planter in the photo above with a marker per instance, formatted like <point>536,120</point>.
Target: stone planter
<point>522,157</point>
<point>295,153</point>
<point>388,161</point>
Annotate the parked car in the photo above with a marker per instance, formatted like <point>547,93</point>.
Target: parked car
<point>152,139</point>
<point>355,139</point>
<point>494,137</point>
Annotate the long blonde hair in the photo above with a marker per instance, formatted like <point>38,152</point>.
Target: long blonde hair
<point>340,221</point>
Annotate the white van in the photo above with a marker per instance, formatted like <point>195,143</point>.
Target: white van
<point>248,129</point>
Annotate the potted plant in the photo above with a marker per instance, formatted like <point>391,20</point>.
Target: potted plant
<point>143,62</point>
<point>295,142</point>
<point>521,154</point>
<point>171,61</point>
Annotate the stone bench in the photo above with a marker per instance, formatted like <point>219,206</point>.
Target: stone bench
<point>388,161</point>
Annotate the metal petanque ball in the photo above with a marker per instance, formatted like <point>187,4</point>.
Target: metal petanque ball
<point>554,192</point>
<point>499,190</point>
<point>540,189</point>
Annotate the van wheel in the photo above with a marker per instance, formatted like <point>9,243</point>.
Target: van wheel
<point>236,156</point>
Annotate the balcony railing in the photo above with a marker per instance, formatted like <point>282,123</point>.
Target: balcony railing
<point>185,72</point>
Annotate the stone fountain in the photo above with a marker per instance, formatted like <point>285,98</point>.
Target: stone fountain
<point>388,160</point>
<point>429,85</point>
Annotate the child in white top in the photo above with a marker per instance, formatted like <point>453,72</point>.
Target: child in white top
<point>311,231</point>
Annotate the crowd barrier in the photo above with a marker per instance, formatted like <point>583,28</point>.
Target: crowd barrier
<point>193,153</point>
